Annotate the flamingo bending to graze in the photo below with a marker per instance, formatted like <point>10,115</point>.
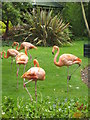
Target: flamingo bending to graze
<point>34,74</point>
<point>23,45</point>
<point>66,60</point>
<point>10,53</point>
<point>21,58</point>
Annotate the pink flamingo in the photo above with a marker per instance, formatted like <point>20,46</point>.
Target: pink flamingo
<point>10,53</point>
<point>21,58</point>
<point>23,45</point>
<point>66,60</point>
<point>34,74</point>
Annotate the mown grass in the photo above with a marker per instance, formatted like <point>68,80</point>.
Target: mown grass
<point>55,84</point>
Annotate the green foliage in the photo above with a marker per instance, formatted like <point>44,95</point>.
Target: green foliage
<point>55,86</point>
<point>13,12</point>
<point>73,14</point>
<point>9,12</point>
<point>46,29</point>
<point>67,108</point>
<point>3,26</point>
<point>88,14</point>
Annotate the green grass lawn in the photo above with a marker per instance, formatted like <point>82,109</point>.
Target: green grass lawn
<point>55,83</point>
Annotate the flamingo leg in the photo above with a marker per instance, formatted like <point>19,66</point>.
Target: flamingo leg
<point>27,82</point>
<point>23,73</point>
<point>11,63</point>
<point>74,71</point>
<point>27,89</point>
<point>36,89</point>
<point>67,77</point>
<point>30,56</point>
<point>17,75</point>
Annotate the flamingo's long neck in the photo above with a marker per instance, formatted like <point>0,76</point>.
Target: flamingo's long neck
<point>55,58</point>
<point>25,50</point>
<point>5,55</point>
<point>17,46</point>
<point>36,63</point>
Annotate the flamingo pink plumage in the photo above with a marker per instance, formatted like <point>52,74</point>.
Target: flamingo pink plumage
<point>65,60</point>
<point>21,58</point>
<point>23,45</point>
<point>34,74</point>
<point>10,53</point>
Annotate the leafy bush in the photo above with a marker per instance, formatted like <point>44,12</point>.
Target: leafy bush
<point>71,108</point>
<point>3,26</point>
<point>46,29</point>
<point>73,14</point>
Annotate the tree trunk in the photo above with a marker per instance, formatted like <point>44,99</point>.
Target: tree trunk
<point>85,20</point>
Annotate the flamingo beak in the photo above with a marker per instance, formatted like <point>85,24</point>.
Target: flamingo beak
<point>23,76</point>
<point>53,53</point>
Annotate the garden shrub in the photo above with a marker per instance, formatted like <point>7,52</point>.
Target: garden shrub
<point>45,29</point>
<point>3,26</point>
<point>73,14</point>
<point>71,108</point>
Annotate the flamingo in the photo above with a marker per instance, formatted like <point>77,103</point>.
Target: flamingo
<point>66,60</point>
<point>10,53</point>
<point>34,74</point>
<point>23,45</point>
<point>21,58</point>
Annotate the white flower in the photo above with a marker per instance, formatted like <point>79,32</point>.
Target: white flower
<point>68,106</point>
<point>70,86</point>
<point>3,113</point>
<point>77,87</point>
<point>59,109</point>
<point>49,102</point>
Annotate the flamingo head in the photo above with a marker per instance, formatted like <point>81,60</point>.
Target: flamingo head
<point>15,43</point>
<point>26,75</point>
<point>35,47</point>
<point>35,62</point>
<point>54,48</point>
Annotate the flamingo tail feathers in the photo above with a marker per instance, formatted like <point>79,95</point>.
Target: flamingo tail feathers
<point>78,59</point>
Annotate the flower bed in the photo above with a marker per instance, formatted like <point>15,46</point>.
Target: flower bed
<point>71,108</point>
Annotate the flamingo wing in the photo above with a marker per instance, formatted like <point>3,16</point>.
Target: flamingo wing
<point>34,73</point>
<point>68,59</point>
<point>28,45</point>
<point>12,52</point>
<point>21,58</point>
<point>29,75</point>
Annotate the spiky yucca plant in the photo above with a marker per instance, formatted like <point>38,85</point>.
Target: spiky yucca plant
<point>47,30</point>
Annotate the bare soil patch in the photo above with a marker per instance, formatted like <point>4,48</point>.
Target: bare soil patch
<point>85,75</point>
